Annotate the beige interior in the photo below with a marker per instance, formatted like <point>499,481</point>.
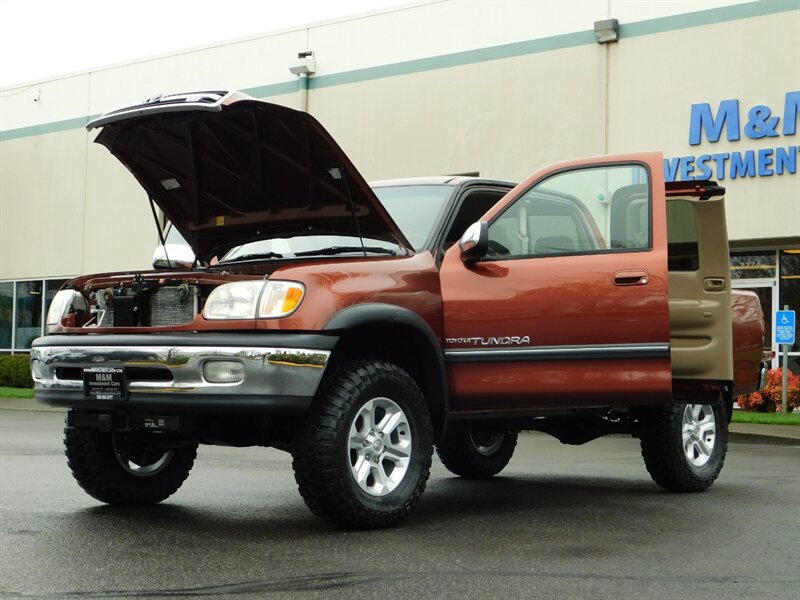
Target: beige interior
<point>700,300</point>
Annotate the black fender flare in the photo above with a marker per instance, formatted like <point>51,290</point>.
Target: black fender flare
<point>391,314</point>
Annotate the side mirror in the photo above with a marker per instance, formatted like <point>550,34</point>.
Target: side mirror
<point>180,257</point>
<point>474,244</point>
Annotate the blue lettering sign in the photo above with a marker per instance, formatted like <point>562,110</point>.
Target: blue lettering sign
<point>687,166</point>
<point>720,159</point>
<point>764,162</point>
<point>705,170</point>
<point>743,164</point>
<point>760,124</point>
<point>791,112</point>
<point>670,168</point>
<point>786,160</point>
<point>701,120</point>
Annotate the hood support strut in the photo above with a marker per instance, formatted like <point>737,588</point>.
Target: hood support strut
<point>158,227</point>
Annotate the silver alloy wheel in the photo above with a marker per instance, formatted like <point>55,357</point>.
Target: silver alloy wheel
<point>486,444</point>
<point>150,468</point>
<point>699,431</point>
<point>379,446</point>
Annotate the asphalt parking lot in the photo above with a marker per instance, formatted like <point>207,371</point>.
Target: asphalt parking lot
<point>561,522</point>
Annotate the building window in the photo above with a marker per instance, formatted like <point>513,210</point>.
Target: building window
<point>789,291</point>
<point>6,314</point>
<point>774,276</point>
<point>28,312</point>
<point>753,265</point>
<point>23,306</point>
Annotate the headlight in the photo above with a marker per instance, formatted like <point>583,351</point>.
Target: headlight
<point>64,302</point>
<point>253,299</point>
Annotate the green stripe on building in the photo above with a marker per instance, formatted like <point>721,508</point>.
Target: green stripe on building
<point>558,42</point>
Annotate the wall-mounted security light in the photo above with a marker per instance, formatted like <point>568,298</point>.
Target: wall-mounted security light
<point>305,63</point>
<point>606,31</point>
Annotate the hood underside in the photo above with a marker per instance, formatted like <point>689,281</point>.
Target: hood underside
<point>236,169</point>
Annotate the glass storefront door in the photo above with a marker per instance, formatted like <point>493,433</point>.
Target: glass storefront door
<point>766,291</point>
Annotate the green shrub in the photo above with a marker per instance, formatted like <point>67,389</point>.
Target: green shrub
<point>15,371</point>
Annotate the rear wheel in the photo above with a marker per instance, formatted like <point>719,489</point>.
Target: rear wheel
<point>476,451</point>
<point>126,468</point>
<point>684,445</point>
<point>364,455</point>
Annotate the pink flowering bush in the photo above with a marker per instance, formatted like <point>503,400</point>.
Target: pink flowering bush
<point>769,399</point>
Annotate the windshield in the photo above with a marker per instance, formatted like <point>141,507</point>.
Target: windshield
<point>174,237</point>
<point>309,245</point>
<point>415,208</point>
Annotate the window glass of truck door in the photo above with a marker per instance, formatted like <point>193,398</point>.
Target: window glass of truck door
<point>682,250</point>
<point>581,211</point>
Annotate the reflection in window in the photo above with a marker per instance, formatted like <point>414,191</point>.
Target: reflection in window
<point>752,265</point>
<point>682,250</point>
<point>790,286</point>
<point>575,212</point>
<point>6,313</point>
<point>29,313</point>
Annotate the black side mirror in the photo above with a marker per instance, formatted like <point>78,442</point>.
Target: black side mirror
<point>474,244</point>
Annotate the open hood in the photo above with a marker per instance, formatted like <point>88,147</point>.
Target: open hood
<point>227,169</point>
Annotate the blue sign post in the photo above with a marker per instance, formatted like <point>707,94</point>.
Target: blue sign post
<point>784,335</point>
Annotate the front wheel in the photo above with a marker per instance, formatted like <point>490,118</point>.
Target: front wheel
<point>476,451</point>
<point>364,455</point>
<point>126,468</point>
<point>684,445</point>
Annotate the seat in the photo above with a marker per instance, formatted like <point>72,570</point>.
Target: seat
<point>554,244</point>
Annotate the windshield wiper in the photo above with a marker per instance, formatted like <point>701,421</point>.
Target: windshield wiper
<point>253,256</point>
<point>331,250</point>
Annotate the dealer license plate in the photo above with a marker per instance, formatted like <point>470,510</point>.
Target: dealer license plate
<point>104,383</point>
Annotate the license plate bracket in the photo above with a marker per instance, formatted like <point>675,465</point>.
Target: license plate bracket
<point>105,383</point>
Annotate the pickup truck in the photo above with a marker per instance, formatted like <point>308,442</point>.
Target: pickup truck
<point>359,327</point>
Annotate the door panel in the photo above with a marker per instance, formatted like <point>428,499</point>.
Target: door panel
<point>699,290</point>
<point>569,308</point>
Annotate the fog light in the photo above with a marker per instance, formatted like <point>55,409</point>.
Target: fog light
<point>223,371</point>
<point>36,369</point>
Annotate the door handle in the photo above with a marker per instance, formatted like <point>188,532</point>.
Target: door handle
<point>631,277</point>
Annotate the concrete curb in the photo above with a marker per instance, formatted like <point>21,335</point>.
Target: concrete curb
<point>747,433</point>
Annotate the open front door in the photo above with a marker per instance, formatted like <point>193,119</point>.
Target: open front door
<point>568,306</point>
<point>699,284</point>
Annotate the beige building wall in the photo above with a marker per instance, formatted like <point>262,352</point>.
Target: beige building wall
<point>656,78</point>
<point>499,88</point>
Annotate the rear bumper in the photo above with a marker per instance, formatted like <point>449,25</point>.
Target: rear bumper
<point>280,372</point>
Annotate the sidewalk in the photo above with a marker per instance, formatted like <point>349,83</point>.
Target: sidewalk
<point>739,432</point>
<point>750,433</point>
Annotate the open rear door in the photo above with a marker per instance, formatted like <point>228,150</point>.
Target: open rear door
<point>699,283</point>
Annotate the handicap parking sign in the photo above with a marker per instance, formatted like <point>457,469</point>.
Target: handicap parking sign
<point>784,327</point>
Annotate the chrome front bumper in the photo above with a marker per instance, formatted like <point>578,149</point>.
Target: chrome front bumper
<point>172,376</point>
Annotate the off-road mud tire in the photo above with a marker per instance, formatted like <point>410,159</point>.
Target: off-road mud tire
<point>322,453</point>
<point>463,454</point>
<point>663,451</point>
<point>92,457</point>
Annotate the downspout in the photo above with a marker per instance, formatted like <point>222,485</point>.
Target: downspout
<point>303,92</point>
<point>304,66</point>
